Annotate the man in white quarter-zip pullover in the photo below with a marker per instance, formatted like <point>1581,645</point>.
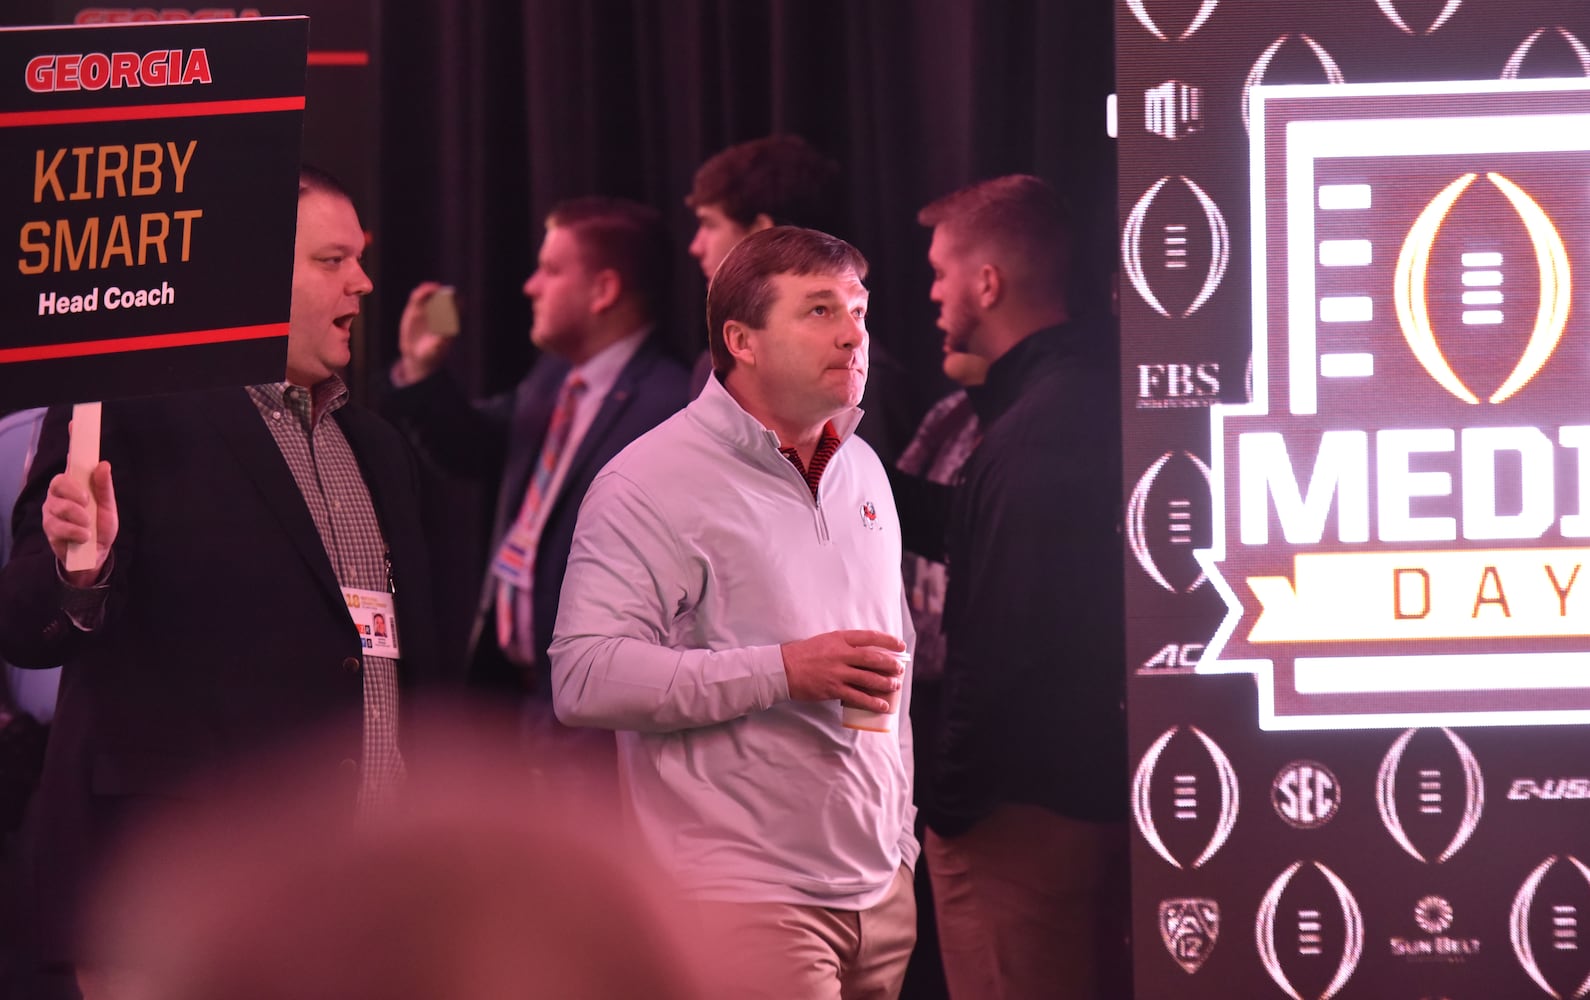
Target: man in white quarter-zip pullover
<point>734,581</point>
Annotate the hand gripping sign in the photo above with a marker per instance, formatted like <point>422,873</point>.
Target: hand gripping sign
<point>148,181</point>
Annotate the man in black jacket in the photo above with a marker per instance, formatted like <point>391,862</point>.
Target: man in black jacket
<point>239,528</point>
<point>1027,840</point>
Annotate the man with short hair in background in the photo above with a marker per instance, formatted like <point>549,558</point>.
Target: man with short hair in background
<point>1026,841</point>
<point>733,587</point>
<point>603,379</point>
<point>781,180</point>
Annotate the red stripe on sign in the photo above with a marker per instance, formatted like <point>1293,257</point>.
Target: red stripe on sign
<point>136,112</point>
<point>329,58</point>
<point>154,342</point>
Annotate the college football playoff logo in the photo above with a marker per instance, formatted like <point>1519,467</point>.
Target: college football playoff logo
<point>1389,8</point>
<point>1526,49</point>
<point>1545,937</point>
<point>1175,247</point>
<point>1190,829</point>
<point>1168,519</point>
<point>1416,797</point>
<point>1189,927</point>
<point>1310,932</point>
<point>1139,9</point>
<point>1258,73</point>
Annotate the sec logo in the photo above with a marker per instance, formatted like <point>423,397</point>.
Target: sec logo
<point>1305,794</point>
<point>1430,793</point>
<point>1184,797</point>
<point>1544,926</point>
<point>1310,932</point>
<point>1169,516</point>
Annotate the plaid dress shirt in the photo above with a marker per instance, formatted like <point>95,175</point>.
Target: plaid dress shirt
<point>328,476</point>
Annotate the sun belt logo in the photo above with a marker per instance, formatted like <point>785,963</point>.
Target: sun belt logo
<point>1175,247</point>
<point>1184,797</point>
<point>1309,931</point>
<point>1434,917</point>
<point>1261,70</point>
<point>1544,926</point>
<point>1306,795</point>
<point>1189,927</point>
<point>1167,520</point>
<point>1430,794</point>
<point>1389,8</point>
<point>1571,58</point>
<point>1401,511</point>
<point>1139,9</point>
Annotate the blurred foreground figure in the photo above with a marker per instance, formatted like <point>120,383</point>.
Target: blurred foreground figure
<point>470,890</point>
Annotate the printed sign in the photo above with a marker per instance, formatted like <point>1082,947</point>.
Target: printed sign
<point>148,178</point>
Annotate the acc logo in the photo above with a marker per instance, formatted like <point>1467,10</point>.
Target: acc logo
<point>1546,939</point>
<point>1259,72</point>
<point>1515,62</point>
<point>1412,276</point>
<point>1167,518</point>
<point>1310,932</point>
<point>1174,658</point>
<point>1139,9</point>
<point>1305,794</point>
<point>1183,232</point>
<point>1422,810</point>
<point>1185,798</point>
<point>1388,8</point>
<point>1189,927</point>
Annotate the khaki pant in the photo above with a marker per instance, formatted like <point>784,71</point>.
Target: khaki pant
<point>1032,905</point>
<point>782,951</point>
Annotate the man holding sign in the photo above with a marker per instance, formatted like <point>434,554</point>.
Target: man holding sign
<point>245,540</point>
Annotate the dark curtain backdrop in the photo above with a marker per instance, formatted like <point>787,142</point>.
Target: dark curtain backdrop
<point>494,111</point>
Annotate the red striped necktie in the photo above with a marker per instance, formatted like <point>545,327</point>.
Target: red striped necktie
<point>514,565</point>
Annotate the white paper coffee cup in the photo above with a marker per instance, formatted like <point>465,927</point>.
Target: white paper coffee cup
<point>878,722</point>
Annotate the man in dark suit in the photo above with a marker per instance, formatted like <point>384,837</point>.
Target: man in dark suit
<point>603,380</point>
<point>216,621</point>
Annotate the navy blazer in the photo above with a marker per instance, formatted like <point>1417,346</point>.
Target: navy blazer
<point>225,630</point>
<point>504,435</point>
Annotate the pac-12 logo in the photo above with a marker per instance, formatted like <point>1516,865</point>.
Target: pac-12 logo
<point>1306,794</point>
<point>1310,932</point>
<point>1189,927</point>
<point>1544,926</point>
<point>1184,797</point>
<point>1403,509</point>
